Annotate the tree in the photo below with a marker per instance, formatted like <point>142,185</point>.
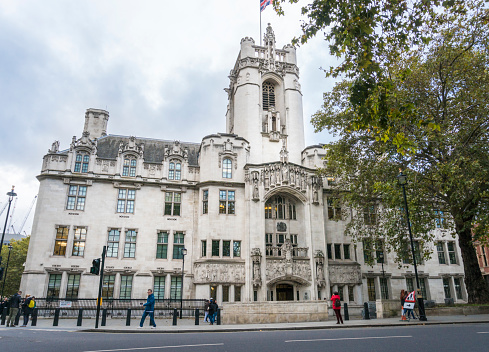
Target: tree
<point>444,81</point>
<point>18,256</point>
<point>368,36</point>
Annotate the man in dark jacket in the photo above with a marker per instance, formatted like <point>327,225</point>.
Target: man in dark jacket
<point>14,308</point>
<point>28,308</point>
<point>212,310</point>
<point>149,309</point>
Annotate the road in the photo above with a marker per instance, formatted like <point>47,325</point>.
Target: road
<point>460,337</point>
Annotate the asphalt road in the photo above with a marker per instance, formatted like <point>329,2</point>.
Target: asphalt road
<point>460,337</point>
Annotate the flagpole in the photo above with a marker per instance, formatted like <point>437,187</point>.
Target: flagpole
<point>260,25</point>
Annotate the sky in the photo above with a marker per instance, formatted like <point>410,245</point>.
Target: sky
<point>158,67</point>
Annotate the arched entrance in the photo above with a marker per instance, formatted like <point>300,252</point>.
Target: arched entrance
<point>285,292</point>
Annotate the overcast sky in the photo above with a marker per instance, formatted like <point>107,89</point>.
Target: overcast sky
<point>158,67</point>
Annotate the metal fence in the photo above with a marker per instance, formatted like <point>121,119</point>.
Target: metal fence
<point>115,307</point>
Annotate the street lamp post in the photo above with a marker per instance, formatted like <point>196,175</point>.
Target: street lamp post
<point>402,179</point>
<point>11,196</point>
<point>6,269</point>
<point>184,253</point>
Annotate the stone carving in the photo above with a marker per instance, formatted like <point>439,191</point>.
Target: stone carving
<point>344,274</point>
<point>256,258</point>
<point>282,227</point>
<point>219,273</point>
<point>319,259</point>
<point>176,149</point>
<point>54,148</point>
<point>131,146</point>
<point>278,268</point>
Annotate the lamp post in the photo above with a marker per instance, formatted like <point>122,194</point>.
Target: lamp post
<point>184,253</point>
<point>402,179</point>
<point>11,196</point>
<point>6,269</point>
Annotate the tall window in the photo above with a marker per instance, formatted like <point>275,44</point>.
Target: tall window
<point>268,95</point>
<point>215,248</point>
<point>173,201</point>
<point>159,287</point>
<point>279,207</point>
<point>225,293</point>
<point>417,252</point>
<point>129,167</point>
<point>61,240</point>
<point>237,293</point>
<point>384,289</point>
<point>441,253</point>
<point>73,286</point>
<point>446,287</point>
<point>458,287</point>
<point>410,284</point>
<point>113,243</point>
<point>226,248</point>
<point>175,171</point>
<point>130,244</point>
<point>371,289</point>
<point>54,285</point>
<point>76,198</point>
<point>205,201</point>
<point>440,219</point>
<point>162,245</point>
<point>369,215</point>
<point>334,209</point>
<point>367,252</point>
<point>337,251</point>
<point>422,287</point>
<point>268,211</point>
<point>236,249</point>
<point>203,247</point>
<point>81,162</point>
<point>227,168</point>
<point>178,245</point>
<point>346,251</point>
<point>176,287</point>
<point>79,241</point>
<point>451,252</point>
<point>226,202</point>
<point>126,287</point>
<point>108,286</point>
<point>125,201</point>
<point>379,251</point>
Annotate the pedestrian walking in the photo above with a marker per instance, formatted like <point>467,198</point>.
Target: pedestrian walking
<point>14,308</point>
<point>28,307</point>
<point>403,300</point>
<point>212,310</point>
<point>149,309</point>
<point>206,311</point>
<point>336,299</point>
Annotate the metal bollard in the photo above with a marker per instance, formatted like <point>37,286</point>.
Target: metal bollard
<point>104,317</point>
<point>366,315</point>
<point>56,317</point>
<point>345,309</point>
<point>4,315</point>
<point>80,317</point>
<point>197,316</point>
<point>175,316</point>
<point>218,316</point>
<point>17,317</point>
<point>34,317</point>
<point>128,317</point>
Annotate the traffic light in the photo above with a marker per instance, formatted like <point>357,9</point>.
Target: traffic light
<point>1,273</point>
<point>95,269</point>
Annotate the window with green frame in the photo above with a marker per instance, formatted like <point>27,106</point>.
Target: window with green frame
<point>215,248</point>
<point>178,245</point>
<point>54,285</point>
<point>126,287</point>
<point>159,287</point>
<point>108,286</point>
<point>162,245</point>
<point>176,287</point>
<point>73,286</point>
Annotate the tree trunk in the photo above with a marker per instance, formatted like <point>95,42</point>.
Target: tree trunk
<point>477,289</point>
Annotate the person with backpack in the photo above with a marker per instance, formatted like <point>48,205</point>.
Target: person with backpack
<point>336,299</point>
<point>14,308</point>
<point>28,307</point>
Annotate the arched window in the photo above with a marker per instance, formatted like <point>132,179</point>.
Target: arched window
<point>227,168</point>
<point>81,162</point>
<point>280,207</point>
<point>129,167</point>
<point>175,171</point>
<point>268,91</point>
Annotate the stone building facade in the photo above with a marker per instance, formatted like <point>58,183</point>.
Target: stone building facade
<point>255,219</point>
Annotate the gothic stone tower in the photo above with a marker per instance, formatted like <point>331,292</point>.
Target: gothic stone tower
<point>265,101</point>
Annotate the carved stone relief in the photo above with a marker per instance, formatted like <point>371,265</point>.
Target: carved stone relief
<point>345,274</point>
<point>219,273</point>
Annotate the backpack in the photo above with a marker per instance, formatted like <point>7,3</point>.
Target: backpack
<point>337,303</point>
<point>32,304</point>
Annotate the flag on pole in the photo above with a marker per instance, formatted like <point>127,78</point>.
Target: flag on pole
<point>264,4</point>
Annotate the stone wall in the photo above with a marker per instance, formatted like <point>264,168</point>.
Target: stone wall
<point>274,312</point>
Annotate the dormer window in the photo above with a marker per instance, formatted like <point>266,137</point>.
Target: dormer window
<point>268,91</point>
<point>129,167</point>
<point>175,171</point>
<point>227,168</point>
<point>81,162</point>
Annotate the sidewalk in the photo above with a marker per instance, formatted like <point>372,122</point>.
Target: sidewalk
<point>187,325</point>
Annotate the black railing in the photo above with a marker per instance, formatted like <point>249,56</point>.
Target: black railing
<point>115,307</point>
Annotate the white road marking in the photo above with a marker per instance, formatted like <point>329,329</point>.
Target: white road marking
<point>352,338</point>
<point>483,332</point>
<point>50,330</point>
<point>150,348</point>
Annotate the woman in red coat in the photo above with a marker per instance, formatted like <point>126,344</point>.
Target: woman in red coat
<point>335,298</point>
